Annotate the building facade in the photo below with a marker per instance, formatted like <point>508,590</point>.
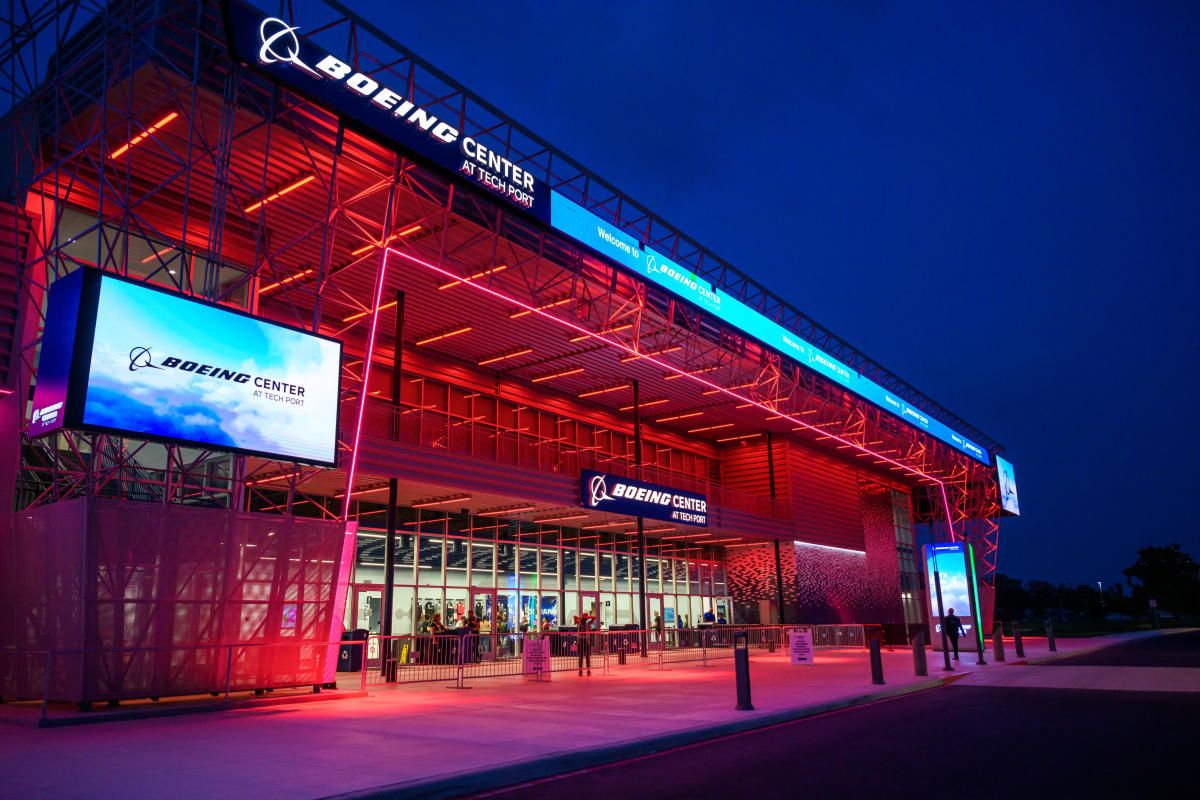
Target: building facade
<point>510,324</point>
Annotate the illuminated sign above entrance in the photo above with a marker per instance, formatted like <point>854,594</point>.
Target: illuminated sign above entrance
<point>274,47</point>
<point>604,491</point>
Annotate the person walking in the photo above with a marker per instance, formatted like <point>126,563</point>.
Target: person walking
<point>583,640</point>
<point>953,628</point>
<point>658,627</point>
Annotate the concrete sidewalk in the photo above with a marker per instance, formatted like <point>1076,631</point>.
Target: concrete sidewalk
<point>429,740</point>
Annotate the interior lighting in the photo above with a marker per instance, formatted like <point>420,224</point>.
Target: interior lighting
<point>563,518</point>
<point>153,256</point>
<point>271,198</point>
<point>136,140</point>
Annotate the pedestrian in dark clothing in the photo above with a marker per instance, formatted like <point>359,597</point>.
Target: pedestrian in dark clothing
<point>583,640</point>
<point>953,628</point>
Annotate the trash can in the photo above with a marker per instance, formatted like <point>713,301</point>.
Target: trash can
<point>350,656</point>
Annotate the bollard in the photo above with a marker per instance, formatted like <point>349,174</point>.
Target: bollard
<point>1050,636</point>
<point>876,663</point>
<point>1018,643</point>
<point>998,643</point>
<point>741,667</point>
<point>918,648</point>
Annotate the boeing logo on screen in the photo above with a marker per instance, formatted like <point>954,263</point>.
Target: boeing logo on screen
<point>598,489</point>
<point>277,36</point>
<point>139,358</point>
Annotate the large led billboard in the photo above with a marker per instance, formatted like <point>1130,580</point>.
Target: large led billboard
<point>124,357</point>
<point>1008,487</point>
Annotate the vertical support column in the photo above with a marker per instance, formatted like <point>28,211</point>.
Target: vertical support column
<point>643,608</point>
<point>389,581</point>
<point>778,562</point>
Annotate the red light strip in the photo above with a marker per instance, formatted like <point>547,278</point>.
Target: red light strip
<point>271,198</point>
<point>493,359</point>
<point>614,329</point>
<point>476,276</point>
<point>674,417</point>
<point>606,390</point>
<point>153,256</point>
<point>436,502</point>
<point>368,247</point>
<point>502,511</point>
<point>647,354</point>
<point>722,426</point>
<point>648,403</point>
<point>285,281</point>
<point>527,310</point>
<point>437,337</point>
<point>562,519</point>
<point>136,140</point>
<point>674,376</point>
<point>703,381</point>
<point>738,438</point>
<point>553,375</point>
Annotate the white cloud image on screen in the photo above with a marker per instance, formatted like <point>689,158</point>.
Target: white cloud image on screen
<point>145,394</point>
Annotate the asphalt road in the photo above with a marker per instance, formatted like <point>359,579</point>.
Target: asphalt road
<point>957,741</point>
<point>1174,650</point>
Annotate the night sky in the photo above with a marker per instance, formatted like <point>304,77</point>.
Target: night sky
<point>999,204</point>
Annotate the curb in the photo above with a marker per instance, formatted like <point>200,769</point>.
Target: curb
<point>476,781</point>
<point>96,717</point>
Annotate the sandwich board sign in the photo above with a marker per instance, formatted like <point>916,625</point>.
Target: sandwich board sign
<point>800,645</point>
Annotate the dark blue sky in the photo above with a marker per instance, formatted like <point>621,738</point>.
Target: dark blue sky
<point>1001,204</point>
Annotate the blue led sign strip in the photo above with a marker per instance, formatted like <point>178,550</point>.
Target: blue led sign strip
<point>645,262</point>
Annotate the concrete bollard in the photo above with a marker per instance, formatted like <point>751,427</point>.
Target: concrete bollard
<point>1050,636</point>
<point>1018,643</point>
<point>741,671</point>
<point>876,663</point>
<point>998,643</point>
<point>920,667</point>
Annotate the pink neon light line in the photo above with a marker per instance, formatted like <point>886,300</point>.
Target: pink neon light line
<point>362,395</point>
<point>683,373</point>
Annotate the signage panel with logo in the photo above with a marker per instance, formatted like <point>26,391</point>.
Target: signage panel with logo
<point>604,491</point>
<point>129,358</point>
<point>377,103</point>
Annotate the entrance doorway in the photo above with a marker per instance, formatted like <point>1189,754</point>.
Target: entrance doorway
<point>484,604</point>
<point>655,609</point>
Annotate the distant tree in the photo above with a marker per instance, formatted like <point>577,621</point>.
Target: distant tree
<point>1043,598</point>
<point>1167,574</point>
<point>1011,598</point>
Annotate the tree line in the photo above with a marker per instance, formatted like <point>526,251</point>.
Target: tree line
<point>1164,574</point>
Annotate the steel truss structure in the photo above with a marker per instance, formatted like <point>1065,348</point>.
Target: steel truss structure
<point>140,147</point>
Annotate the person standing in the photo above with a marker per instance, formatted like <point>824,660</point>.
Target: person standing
<point>953,628</point>
<point>583,640</point>
<point>658,627</point>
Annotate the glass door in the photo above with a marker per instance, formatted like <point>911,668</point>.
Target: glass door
<point>589,602</point>
<point>368,608</point>
<point>483,606</point>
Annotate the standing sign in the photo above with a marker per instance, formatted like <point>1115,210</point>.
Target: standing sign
<point>536,658</point>
<point>604,491</point>
<point>800,645</point>
<point>955,564</point>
